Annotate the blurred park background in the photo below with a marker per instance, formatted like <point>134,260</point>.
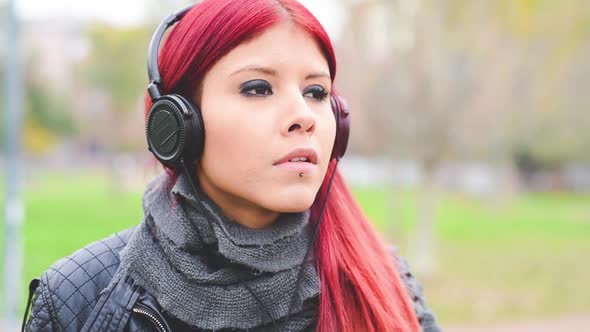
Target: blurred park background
<point>470,143</point>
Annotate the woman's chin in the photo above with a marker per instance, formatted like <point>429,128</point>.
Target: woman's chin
<point>292,202</point>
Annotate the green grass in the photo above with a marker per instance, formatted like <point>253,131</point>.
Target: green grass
<point>515,257</point>
<point>64,213</point>
<point>502,258</point>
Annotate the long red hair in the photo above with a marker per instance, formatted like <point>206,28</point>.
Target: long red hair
<point>361,289</point>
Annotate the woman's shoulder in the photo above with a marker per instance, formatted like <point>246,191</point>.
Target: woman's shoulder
<point>425,316</point>
<point>69,289</point>
<point>90,262</point>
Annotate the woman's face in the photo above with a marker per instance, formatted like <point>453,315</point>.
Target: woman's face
<point>260,102</point>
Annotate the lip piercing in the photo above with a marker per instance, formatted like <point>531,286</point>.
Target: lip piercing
<point>300,175</point>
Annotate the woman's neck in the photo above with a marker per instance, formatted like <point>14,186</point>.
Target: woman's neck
<point>236,208</point>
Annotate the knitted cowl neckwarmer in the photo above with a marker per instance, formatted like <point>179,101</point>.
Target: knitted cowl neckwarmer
<point>194,270</point>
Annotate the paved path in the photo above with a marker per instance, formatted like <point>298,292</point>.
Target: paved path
<point>574,323</point>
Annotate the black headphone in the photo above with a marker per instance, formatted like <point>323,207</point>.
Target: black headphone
<point>174,127</point>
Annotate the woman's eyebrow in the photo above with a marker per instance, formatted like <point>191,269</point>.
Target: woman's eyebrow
<point>318,75</point>
<point>264,70</point>
<point>272,72</point>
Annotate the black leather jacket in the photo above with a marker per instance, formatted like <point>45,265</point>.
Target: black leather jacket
<point>72,295</point>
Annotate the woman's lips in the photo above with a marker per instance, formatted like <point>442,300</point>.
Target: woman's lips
<point>307,152</point>
<point>298,166</point>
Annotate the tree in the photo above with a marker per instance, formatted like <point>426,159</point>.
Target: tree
<point>116,67</point>
<point>116,63</point>
<point>472,79</point>
<point>47,116</point>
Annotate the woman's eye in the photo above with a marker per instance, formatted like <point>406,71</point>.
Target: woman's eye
<point>256,88</point>
<point>317,92</point>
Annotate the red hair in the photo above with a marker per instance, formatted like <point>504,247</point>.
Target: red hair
<point>361,289</point>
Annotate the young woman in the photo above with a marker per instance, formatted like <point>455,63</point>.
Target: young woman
<point>251,227</point>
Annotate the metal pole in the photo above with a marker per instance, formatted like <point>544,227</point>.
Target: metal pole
<point>14,211</point>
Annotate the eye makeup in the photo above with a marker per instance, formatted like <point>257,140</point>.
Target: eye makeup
<point>256,88</point>
<point>317,92</point>
<point>261,88</point>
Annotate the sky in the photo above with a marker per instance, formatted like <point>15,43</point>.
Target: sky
<point>132,12</point>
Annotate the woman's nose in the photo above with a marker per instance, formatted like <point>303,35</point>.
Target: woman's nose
<point>301,117</point>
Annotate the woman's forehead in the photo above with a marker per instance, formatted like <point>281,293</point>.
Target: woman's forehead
<point>282,46</point>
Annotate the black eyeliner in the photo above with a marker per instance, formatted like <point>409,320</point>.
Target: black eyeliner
<point>255,85</point>
<point>317,89</point>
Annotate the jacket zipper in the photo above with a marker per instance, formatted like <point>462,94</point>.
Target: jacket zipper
<point>151,316</point>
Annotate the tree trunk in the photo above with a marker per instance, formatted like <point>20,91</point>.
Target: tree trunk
<point>425,243</point>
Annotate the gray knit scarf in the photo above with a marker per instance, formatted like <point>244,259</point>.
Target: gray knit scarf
<point>195,270</point>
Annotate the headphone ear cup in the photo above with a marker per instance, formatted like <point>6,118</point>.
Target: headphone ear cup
<point>342,115</point>
<point>175,130</point>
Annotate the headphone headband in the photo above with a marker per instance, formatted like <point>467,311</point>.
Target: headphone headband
<point>152,63</point>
